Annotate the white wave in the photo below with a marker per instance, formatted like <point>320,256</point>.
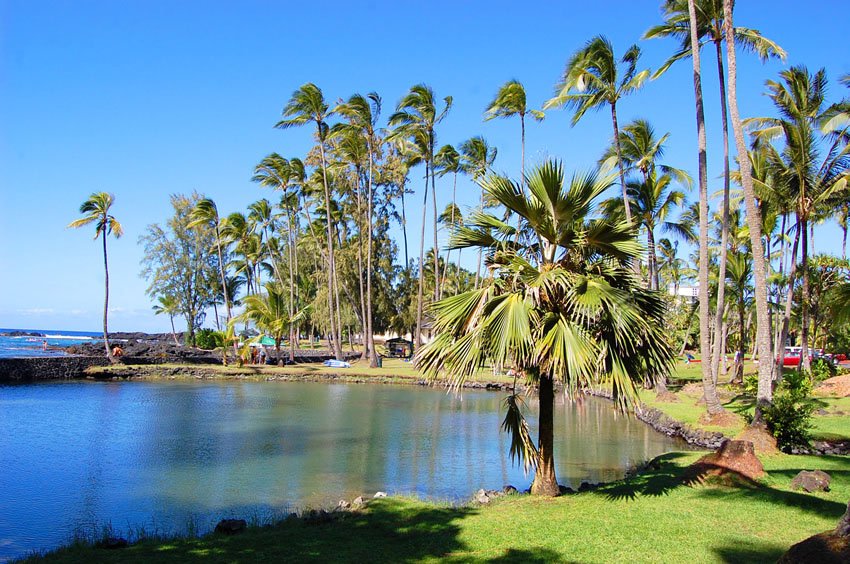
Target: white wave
<point>74,337</point>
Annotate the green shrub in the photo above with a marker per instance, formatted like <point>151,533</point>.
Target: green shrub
<point>208,339</point>
<point>751,384</point>
<point>823,369</point>
<point>789,418</point>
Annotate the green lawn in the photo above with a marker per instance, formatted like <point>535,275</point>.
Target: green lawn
<point>653,517</point>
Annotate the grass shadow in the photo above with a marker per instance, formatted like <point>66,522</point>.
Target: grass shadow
<point>749,551</point>
<point>661,475</point>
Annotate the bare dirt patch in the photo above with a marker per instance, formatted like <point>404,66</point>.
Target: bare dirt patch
<point>835,386</point>
<point>764,442</point>
<point>722,419</point>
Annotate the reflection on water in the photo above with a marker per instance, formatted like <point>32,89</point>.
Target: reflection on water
<point>160,455</point>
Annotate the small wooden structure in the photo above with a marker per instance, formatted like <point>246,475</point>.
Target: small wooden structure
<point>399,348</point>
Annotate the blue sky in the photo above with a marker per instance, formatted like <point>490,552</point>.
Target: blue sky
<point>149,98</point>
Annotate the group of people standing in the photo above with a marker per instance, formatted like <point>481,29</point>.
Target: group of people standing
<point>258,355</point>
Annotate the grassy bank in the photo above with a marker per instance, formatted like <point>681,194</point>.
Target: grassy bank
<point>654,517</point>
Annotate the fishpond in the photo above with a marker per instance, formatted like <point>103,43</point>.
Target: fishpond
<point>164,456</point>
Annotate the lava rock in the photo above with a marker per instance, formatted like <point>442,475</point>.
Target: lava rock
<point>816,481</point>
<point>112,543</point>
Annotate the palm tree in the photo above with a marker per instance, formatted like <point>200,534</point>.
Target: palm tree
<point>738,278</point>
<point>764,394</point>
<point>709,25</point>
<point>593,79</point>
<point>362,114</point>
<point>415,118</point>
<point>96,210</point>
<point>639,151</point>
<point>268,311</point>
<point>652,201</point>
<point>565,307</point>
<point>816,179</point>
<point>510,101</point>
<point>477,156</point>
<point>171,307</point>
<point>307,105</point>
<point>205,212</point>
<point>447,160</point>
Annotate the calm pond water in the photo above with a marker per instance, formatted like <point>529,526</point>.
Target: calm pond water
<point>161,455</point>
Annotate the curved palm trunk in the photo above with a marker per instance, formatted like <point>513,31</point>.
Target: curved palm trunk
<point>765,391</point>
<point>724,230</point>
<point>712,403</point>
<point>173,331</point>
<point>106,298</point>
<point>337,347</point>
<point>545,481</point>
<point>436,244</point>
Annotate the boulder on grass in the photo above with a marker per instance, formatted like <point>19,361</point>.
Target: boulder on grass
<point>734,459</point>
<point>231,526</point>
<point>830,547</point>
<point>816,481</point>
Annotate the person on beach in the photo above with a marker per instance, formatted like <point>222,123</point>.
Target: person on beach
<point>44,345</point>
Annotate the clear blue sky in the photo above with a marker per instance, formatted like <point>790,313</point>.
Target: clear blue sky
<point>147,98</point>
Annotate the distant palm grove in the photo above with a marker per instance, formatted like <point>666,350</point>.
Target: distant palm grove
<point>575,276</point>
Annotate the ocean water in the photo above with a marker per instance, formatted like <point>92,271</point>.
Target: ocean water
<point>56,341</point>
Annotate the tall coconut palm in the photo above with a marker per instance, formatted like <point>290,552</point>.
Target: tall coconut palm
<point>307,105</point>
<point>652,200</point>
<point>362,114</point>
<point>709,27</point>
<point>813,166</point>
<point>416,118</point>
<point>206,213</point>
<point>764,394</point>
<point>446,161</point>
<point>170,306</point>
<point>639,151</point>
<point>564,308</point>
<point>96,210</point>
<point>510,101</point>
<point>592,79</point>
<point>477,156</point>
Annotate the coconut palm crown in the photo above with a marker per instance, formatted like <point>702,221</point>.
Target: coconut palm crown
<point>562,304</point>
<point>96,210</point>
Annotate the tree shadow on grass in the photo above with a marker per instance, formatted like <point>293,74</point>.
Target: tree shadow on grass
<point>750,551</point>
<point>390,530</point>
<point>663,475</point>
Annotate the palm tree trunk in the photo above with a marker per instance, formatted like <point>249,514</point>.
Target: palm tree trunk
<point>174,331</point>
<point>418,339</point>
<point>436,244</point>
<point>364,354</point>
<point>106,298</point>
<point>337,348</point>
<point>786,318</point>
<point>805,363</point>
<point>404,225</point>
<point>545,482</point>
<point>712,403</point>
<point>370,337</point>
<point>452,220</point>
<point>724,230</point>
<point>293,333</point>
<point>653,260</point>
<point>765,390</point>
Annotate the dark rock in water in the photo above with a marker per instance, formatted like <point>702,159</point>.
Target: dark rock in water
<point>817,481</point>
<point>112,543</point>
<point>231,526</point>
<point>509,489</point>
<point>21,334</point>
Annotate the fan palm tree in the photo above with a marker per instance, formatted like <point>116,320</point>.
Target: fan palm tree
<point>170,306</point>
<point>96,210</point>
<point>592,79</point>
<point>510,101</point>
<point>563,307</point>
<point>307,105</point>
